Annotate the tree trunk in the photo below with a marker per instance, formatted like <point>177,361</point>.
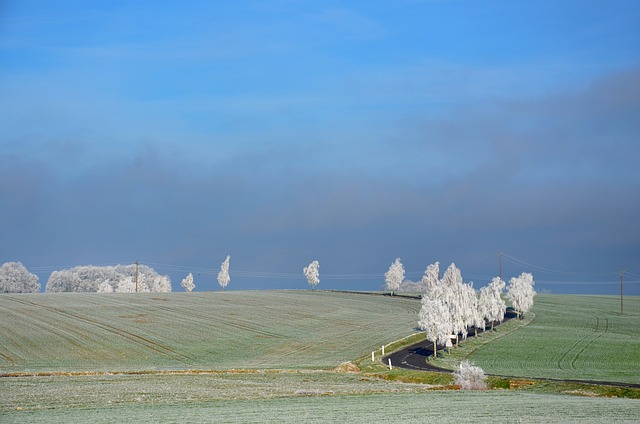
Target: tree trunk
<point>435,349</point>
<point>457,340</point>
<point>491,325</point>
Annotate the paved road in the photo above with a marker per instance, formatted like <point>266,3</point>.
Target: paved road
<point>414,357</point>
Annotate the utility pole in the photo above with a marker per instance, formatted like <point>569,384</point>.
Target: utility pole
<point>621,293</point>
<point>136,276</point>
<point>500,256</point>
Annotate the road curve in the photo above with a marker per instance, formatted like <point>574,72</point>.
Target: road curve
<point>414,357</point>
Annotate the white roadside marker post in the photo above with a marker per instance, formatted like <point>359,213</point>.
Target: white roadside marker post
<point>373,356</point>
<point>390,367</point>
<point>382,350</point>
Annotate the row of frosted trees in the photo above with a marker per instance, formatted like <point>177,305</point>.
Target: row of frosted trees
<point>450,307</point>
<point>15,278</point>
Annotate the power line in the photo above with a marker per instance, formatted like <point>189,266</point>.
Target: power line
<point>343,276</point>
<point>520,262</point>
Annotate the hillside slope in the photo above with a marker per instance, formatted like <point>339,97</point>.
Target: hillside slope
<point>210,330</point>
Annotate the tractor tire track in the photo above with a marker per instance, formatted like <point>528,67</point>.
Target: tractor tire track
<point>606,329</point>
<point>564,359</point>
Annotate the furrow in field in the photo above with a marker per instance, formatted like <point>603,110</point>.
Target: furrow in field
<point>250,327</point>
<point>42,328</point>
<point>34,322</point>
<point>135,338</point>
<point>7,358</point>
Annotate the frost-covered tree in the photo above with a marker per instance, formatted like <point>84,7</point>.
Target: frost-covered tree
<point>471,309</point>
<point>128,285</point>
<point>14,278</point>
<point>434,319</point>
<point>223,275</point>
<point>187,283</point>
<point>492,306</point>
<point>431,277</point>
<point>108,279</point>
<point>453,292</point>
<point>521,293</point>
<point>394,276</point>
<point>470,377</point>
<point>105,287</point>
<point>312,272</point>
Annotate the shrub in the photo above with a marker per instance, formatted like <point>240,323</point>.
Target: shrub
<point>470,377</point>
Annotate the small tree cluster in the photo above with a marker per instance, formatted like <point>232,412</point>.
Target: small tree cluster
<point>470,377</point>
<point>521,293</point>
<point>108,279</point>
<point>14,278</point>
<point>312,272</point>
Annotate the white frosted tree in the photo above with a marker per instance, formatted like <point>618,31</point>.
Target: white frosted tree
<point>431,277</point>
<point>128,285</point>
<point>105,287</point>
<point>470,377</point>
<point>492,306</point>
<point>223,275</point>
<point>394,276</point>
<point>14,278</point>
<point>452,277</point>
<point>470,311</point>
<point>312,272</point>
<point>452,291</point>
<point>187,283</point>
<point>521,293</point>
<point>435,320</point>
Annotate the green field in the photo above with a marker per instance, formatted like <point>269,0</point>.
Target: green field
<point>221,330</point>
<point>436,406</point>
<point>254,356</point>
<point>571,337</point>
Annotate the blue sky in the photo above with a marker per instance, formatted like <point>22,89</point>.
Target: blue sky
<point>355,132</point>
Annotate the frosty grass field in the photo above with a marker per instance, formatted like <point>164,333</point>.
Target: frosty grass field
<point>269,356</point>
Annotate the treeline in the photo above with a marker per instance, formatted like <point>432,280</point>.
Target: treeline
<point>15,278</point>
